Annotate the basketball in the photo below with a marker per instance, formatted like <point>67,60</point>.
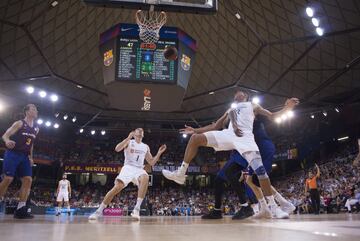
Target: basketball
<point>171,53</point>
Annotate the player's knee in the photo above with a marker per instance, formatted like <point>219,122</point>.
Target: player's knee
<point>119,185</point>
<point>198,139</point>
<point>26,180</point>
<point>261,173</point>
<point>144,179</point>
<point>7,180</point>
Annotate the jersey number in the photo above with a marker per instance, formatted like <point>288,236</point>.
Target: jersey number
<point>28,141</point>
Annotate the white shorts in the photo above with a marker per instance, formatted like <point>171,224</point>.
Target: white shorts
<point>130,174</point>
<point>226,140</point>
<point>62,196</point>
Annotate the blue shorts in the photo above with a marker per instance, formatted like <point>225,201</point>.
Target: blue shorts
<point>267,151</point>
<point>235,158</point>
<point>16,164</point>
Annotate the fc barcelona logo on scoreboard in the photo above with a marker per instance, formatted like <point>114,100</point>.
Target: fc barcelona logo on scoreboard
<point>108,57</point>
<point>185,62</point>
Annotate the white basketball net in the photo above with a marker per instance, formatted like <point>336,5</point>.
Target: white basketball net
<point>150,24</point>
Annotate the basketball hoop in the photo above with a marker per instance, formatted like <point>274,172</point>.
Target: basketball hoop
<point>150,24</point>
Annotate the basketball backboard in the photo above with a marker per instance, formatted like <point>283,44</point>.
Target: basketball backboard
<point>185,6</point>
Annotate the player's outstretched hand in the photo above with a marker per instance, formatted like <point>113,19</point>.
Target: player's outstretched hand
<point>187,130</point>
<point>162,148</point>
<point>291,103</point>
<point>10,144</point>
<point>131,134</point>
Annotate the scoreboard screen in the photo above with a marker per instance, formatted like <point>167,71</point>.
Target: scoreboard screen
<point>144,62</point>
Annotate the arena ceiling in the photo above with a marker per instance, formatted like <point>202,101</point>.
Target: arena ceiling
<point>273,50</point>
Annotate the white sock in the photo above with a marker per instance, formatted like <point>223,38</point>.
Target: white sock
<point>21,204</point>
<point>68,208</point>
<point>138,203</point>
<point>102,207</point>
<point>244,205</point>
<point>262,203</point>
<point>280,198</point>
<point>183,168</point>
<point>271,200</point>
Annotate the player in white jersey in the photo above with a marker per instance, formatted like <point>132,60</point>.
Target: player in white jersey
<point>239,136</point>
<point>63,194</point>
<point>135,152</point>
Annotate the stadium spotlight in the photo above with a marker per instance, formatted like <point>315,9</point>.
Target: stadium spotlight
<point>320,31</point>
<point>79,86</point>
<point>284,117</point>
<point>343,138</point>
<point>39,121</point>
<point>54,98</point>
<point>233,105</point>
<point>93,132</point>
<point>315,22</point>
<point>65,117</point>
<point>337,110</point>
<point>184,135</point>
<point>324,113</point>
<point>56,125</point>
<point>256,100</point>
<point>54,3</point>
<point>42,94</point>
<point>81,130</point>
<point>274,165</point>
<point>211,93</point>
<point>103,132</point>
<point>278,120</point>
<point>30,89</point>
<point>48,123</point>
<point>290,114</point>
<point>57,115</point>
<point>74,119</point>
<point>312,116</point>
<point>310,12</point>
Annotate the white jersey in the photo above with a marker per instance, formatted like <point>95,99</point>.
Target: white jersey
<point>244,117</point>
<point>64,186</point>
<point>135,154</point>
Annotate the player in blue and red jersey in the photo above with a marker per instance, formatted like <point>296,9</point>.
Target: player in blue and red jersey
<point>18,158</point>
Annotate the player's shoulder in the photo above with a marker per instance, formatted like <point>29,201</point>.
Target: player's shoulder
<point>18,123</point>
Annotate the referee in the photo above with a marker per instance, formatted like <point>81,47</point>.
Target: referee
<point>311,186</point>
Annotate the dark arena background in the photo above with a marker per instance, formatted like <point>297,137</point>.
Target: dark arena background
<point>95,71</point>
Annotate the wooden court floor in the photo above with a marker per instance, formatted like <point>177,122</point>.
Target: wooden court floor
<point>77,228</point>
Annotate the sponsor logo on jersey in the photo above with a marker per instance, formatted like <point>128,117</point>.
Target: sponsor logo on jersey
<point>185,62</point>
<point>147,100</point>
<point>108,57</point>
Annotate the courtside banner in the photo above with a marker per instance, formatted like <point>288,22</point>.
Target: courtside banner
<point>92,168</point>
<point>113,212</point>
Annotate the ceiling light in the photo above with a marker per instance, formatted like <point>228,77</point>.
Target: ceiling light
<point>65,117</point>
<point>93,132</point>
<point>315,22</point>
<point>40,121</point>
<point>310,12</point>
<point>56,125</point>
<point>343,138</point>
<point>74,119</point>
<point>57,115</point>
<point>211,93</point>
<point>42,94</point>
<point>81,130</point>
<point>278,120</point>
<point>48,123</point>
<point>54,98</point>
<point>274,165</point>
<point>290,114</point>
<point>256,100</point>
<point>324,113</point>
<point>30,89</point>
<point>54,4</point>
<point>320,31</point>
<point>312,116</point>
<point>284,117</point>
<point>337,110</point>
<point>79,86</point>
<point>103,132</point>
<point>233,105</point>
<point>184,135</point>
<point>238,16</point>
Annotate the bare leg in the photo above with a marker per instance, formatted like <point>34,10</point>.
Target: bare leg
<point>4,185</point>
<point>257,190</point>
<point>193,145</point>
<point>25,188</point>
<point>143,186</point>
<point>119,185</point>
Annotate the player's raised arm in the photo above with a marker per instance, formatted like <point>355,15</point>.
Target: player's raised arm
<point>153,160</point>
<point>9,132</point>
<point>122,145</point>
<point>289,105</point>
<point>317,171</point>
<point>69,188</point>
<point>214,126</point>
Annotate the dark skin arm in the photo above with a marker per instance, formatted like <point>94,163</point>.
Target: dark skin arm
<point>212,127</point>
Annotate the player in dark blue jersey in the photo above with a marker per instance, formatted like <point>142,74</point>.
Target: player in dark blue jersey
<point>231,173</point>
<point>18,158</point>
